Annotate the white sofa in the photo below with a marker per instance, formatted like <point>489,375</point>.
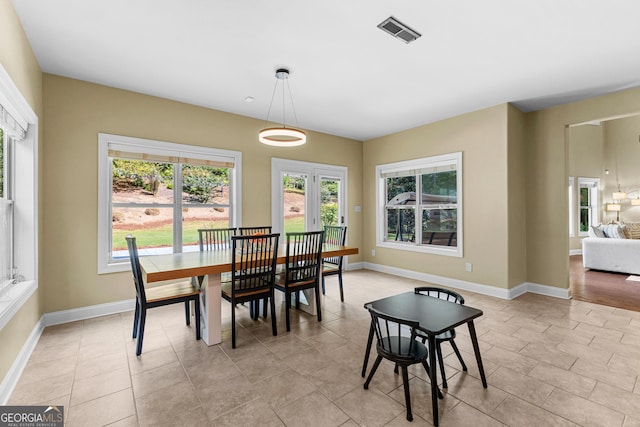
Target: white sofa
<point>617,255</point>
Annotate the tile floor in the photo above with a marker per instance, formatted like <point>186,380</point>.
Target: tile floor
<point>548,362</point>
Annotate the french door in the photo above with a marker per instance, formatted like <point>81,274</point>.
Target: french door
<point>307,196</point>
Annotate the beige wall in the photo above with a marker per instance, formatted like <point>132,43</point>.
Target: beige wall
<point>517,189</point>
<point>621,156</point>
<point>18,60</point>
<point>547,174</point>
<point>585,156</point>
<point>482,138</point>
<point>77,111</point>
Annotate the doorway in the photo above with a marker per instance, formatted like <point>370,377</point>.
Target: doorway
<point>307,196</point>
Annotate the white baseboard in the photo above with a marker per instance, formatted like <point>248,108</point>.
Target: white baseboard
<point>575,252</point>
<point>82,313</point>
<point>11,379</point>
<point>471,286</point>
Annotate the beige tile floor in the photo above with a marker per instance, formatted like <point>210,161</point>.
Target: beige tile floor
<point>548,362</point>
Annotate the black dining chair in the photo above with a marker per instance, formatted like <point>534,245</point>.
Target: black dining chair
<point>158,296</point>
<point>215,238</point>
<point>396,342</point>
<point>253,272</point>
<point>302,269</point>
<point>246,231</point>
<point>452,296</point>
<point>335,235</point>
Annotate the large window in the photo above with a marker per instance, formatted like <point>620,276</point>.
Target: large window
<point>18,199</point>
<point>420,205</point>
<point>162,193</point>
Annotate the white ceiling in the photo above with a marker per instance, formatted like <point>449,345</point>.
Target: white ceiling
<point>348,77</point>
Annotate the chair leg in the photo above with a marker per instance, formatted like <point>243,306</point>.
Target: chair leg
<point>374,368</point>
<point>197,310</point>
<point>297,300</point>
<point>141,322</point>
<point>233,323</point>
<point>426,368</point>
<point>186,312</point>
<point>340,283</point>
<point>274,327</point>
<point>323,284</point>
<point>136,315</point>
<point>287,303</point>
<point>318,308</point>
<point>407,395</point>
<point>265,301</point>
<point>441,363</point>
<point>455,349</point>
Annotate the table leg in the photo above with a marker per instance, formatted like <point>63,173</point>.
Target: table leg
<point>367,351</point>
<point>210,309</point>
<point>476,350</point>
<point>434,378</point>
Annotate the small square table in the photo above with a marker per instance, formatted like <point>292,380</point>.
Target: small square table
<point>435,316</point>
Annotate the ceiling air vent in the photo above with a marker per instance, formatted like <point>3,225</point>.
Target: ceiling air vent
<point>398,30</point>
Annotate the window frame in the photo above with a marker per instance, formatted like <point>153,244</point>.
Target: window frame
<point>381,213</point>
<point>147,146</point>
<point>23,188</point>
<point>593,184</point>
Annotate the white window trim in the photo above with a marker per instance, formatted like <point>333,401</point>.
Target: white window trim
<point>133,144</point>
<point>25,198</point>
<point>380,204</point>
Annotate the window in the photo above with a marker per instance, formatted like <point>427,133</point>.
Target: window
<point>588,199</point>
<point>162,193</point>
<point>420,205</point>
<point>18,199</point>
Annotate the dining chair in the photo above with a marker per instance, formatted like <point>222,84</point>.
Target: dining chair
<point>302,270</point>
<point>245,231</point>
<point>253,270</point>
<point>335,235</point>
<point>215,238</point>
<point>452,296</point>
<point>158,296</point>
<point>396,342</point>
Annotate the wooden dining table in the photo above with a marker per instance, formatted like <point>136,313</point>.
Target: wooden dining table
<point>435,316</point>
<point>210,265</point>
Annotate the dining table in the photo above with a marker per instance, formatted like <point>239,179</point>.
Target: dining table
<point>434,316</point>
<point>210,265</point>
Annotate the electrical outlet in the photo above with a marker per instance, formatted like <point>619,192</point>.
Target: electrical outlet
<point>468,266</point>
<point>373,252</point>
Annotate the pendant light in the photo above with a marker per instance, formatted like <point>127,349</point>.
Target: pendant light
<point>282,136</point>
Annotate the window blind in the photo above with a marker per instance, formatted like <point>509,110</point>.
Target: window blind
<point>155,157</point>
<point>15,128</point>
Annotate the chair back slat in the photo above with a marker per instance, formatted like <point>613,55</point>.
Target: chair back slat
<point>215,238</point>
<point>247,231</point>
<point>335,235</point>
<point>441,293</point>
<point>135,268</point>
<point>254,262</point>
<point>395,336</point>
<point>304,256</point>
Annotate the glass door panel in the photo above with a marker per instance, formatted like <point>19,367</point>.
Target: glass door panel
<point>294,199</point>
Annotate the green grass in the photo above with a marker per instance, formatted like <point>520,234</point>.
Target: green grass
<point>163,235</point>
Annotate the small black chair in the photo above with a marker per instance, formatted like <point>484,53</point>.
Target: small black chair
<point>252,276</point>
<point>215,238</point>
<point>396,341</point>
<point>246,231</point>
<point>335,235</point>
<point>448,295</point>
<point>302,269</point>
<point>158,296</point>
